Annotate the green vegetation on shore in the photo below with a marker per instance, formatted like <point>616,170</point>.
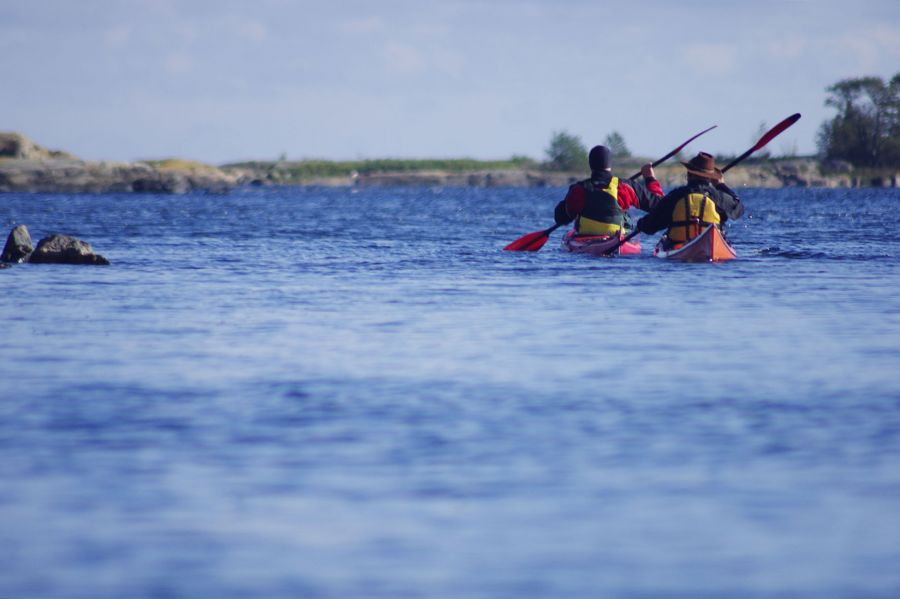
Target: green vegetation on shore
<point>303,170</point>
<point>178,164</point>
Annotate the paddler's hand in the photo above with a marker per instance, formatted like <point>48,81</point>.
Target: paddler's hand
<point>560,215</point>
<point>647,171</point>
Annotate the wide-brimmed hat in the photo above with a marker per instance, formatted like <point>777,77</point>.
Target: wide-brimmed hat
<point>703,165</point>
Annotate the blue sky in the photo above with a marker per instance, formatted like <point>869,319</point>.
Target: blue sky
<point>226,80</point>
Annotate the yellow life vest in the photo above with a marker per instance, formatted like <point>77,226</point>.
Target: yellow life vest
<point>590,226</point>
<point>691,215</point>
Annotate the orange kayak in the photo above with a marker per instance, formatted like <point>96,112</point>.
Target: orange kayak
<point>709,246</point>
<point>600,245</point>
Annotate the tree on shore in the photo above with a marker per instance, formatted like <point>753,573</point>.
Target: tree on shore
<point>566,152</point>
<point>866,130</point>
<point>616,144</point>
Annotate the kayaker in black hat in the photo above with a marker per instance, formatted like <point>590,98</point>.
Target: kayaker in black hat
<point>599,204</point>
<point>689,209</point>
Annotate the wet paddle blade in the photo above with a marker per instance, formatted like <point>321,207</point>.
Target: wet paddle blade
<point>531,242</point>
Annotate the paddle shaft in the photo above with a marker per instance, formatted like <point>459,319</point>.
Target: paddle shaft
<point>673,152</point>
<point>546,232</point>
<point>623,241</point>
<point>552,229</point>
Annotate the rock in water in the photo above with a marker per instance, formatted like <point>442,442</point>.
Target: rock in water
<point>18,245</point>
<point>62,249</point>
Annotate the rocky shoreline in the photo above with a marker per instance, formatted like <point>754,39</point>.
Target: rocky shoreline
<point>801,172</point>
<point>78,176</point>
<point>28,167</point>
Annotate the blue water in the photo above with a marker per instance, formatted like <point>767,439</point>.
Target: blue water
<point>326,393</point>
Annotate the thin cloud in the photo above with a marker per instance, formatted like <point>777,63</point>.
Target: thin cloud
<point>402,59</point>
<point>117,37</point>
<point>791,48</point>
<point>869,50</point>
<point>714,59</point>
<point>449,63</point>
<point>253,31</point>
<point>364,25</point>
<point>178,64</point>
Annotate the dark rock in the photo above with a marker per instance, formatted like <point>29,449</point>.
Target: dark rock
<point>62,249</point>
<point>156,185</point>
<point>18,245</point>
<point>885,181</point>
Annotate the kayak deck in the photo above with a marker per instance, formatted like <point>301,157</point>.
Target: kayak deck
<point>600,245</point>
<point>709,246</point>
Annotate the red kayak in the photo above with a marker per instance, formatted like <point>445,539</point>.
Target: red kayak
<point>600,245</point>
<point>709,246</point>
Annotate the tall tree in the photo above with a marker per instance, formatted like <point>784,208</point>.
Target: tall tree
<point>866,130</point>
<point>616,144</point>
<point>566,152</point>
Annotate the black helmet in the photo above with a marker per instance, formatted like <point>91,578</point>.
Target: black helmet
<point>599,158</point>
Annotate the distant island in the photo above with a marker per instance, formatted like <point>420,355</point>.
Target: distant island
<point>26,166</point>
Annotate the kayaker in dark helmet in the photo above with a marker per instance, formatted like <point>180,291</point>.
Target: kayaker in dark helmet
<point>689,209</point>
<point>598,204</point>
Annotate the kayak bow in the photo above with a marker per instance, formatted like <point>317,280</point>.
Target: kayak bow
<point>709,246</point>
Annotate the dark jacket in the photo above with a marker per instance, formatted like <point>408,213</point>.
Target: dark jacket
<point>728,205</point>
<point>631,194</point>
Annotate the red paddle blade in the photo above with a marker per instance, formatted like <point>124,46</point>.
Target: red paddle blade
<point>769,136</point>
<point>531,242</point>
<point>776,130</point>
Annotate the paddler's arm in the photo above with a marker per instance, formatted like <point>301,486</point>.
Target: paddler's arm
<point>729,202</point>
<point>648,190</point>
<point>570,207</point>
<point>661,215</point>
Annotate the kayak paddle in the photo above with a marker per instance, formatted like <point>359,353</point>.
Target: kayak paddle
<point>765,139</point>
<point>535,240</point>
